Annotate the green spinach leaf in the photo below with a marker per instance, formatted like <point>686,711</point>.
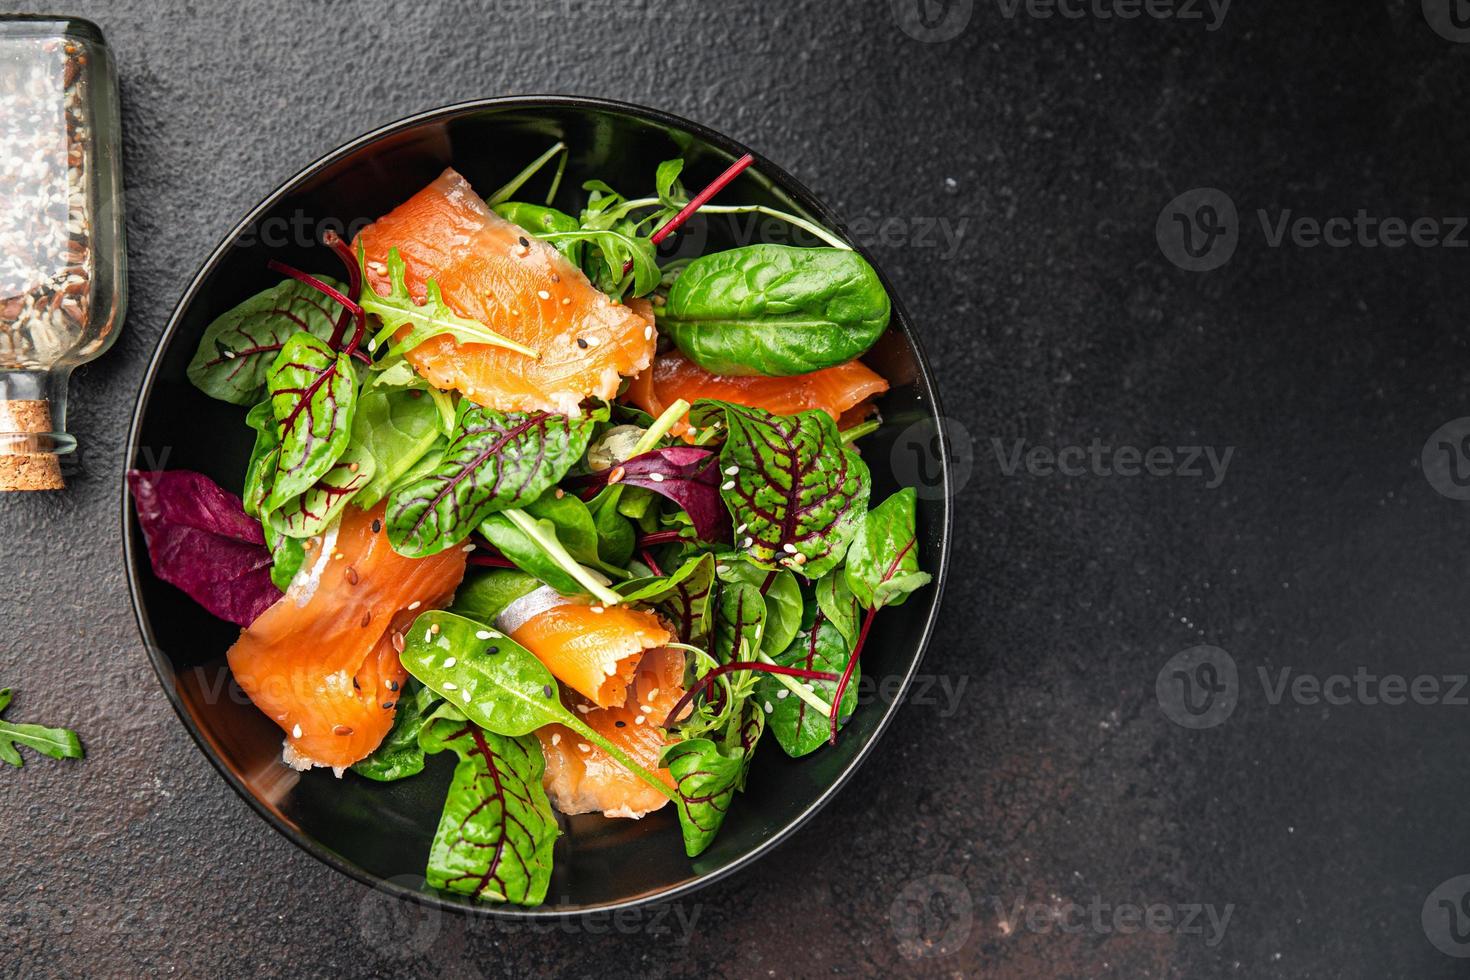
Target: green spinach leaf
<point>775,309</point>
<point>497,831</point>
<point>396,427</point>
<point>400,755</point>
<point>784,604</point>
<point>799,727</point>
<point>483,596</point>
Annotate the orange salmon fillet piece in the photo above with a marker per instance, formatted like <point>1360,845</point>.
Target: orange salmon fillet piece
<point>322,662</point>
<point>593,653</point>
<point>582,778</point>
<point>834,390</point>
<point>496,272</point>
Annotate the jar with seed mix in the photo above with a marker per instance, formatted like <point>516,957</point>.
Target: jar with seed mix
<point>62,251</point>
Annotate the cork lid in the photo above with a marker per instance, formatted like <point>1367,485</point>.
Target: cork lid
<point>22,465</point>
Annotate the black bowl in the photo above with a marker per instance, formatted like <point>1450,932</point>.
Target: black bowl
<point>380,833</point>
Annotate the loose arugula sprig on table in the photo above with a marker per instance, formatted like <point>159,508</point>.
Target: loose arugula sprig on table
<point>58,743</point>
<point>753,537</point>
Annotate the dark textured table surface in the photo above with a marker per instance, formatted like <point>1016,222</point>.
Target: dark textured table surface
<point>1050,819</point>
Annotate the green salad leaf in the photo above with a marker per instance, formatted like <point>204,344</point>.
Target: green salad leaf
<point>883,560</point>
<point>683,596</point>
<point>313,394</point>
<point>309,513</point>
<point>707,775</point>
<point>782,596</point>
<point>775,309</point>
<point>496,834</point>
<point>237,349</point>
<point>58,743</point>
<point>483,595</point>
<point>796,493</point>
<point>400,755</point>
<point>797,725</point>
<point>396,427</point>
<point>543,221</point>
<point>496,461</point>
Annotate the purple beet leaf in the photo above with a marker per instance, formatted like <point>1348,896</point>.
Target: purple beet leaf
<point>201,540</point>
<point>690,477</point>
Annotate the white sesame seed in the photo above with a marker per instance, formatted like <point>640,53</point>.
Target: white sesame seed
<point>295,731</point>
<point>482,634</point>
<point>583,747</point>
<point>543,294</point>
<point>647,710</point>
<point>556,738</point>
<point>467,548</point>
<point>464,696</point>
<point>653,694</point>
<point>741,529</point>
<point>583,709</point>
<point>656,477</point>
<point>768,707</point>
<point>647,333</point>
<point>728,485</point>
<point>781,694</point>
<point>433,627</point>
<point>428,636</point>
<point>566,301</point>
<point>789,548</point>
<point>598,609</point>
<point>748,542</point>
<point>451,686</point>
<point>638,720</point>
<point>731,470</point>
<point>450,661</point>
<point>414,605</point>
<point>721,569</point>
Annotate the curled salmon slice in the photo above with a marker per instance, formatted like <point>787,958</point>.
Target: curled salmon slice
<point>322,662</point>
<point>592,649</point>
<point>835,390</point>
<point>493,271</point>
<point>582,778</point>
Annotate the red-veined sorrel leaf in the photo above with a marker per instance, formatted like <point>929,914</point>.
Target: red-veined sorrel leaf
<point>313,394</point>
<point>683,596</point>
<point>201,540</point>
<point>687,475</point>
<point>739,622</point>
<point>706,775</point>
<point>497,460</point>
<point>312,511</point>
<point>496,833</point>
<point>798,726</point>
<point>797,494</point>
<point>883,561</point>
<point>238,348</point>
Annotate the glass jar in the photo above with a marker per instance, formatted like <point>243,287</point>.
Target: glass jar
<point>63,256</point>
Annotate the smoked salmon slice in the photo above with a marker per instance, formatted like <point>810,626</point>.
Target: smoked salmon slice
<point>834,390</point>
<point>592,649</point>
<point>493,271</point>
<point>582,778</point>
<point>322,662</point>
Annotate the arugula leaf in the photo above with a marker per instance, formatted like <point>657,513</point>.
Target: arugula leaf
<point>707,775</point>
<point>796,493</point>
<point>58,743</point>
<point>395,427</point>
<point>237,349</point>
<point>683,596</point>
<point>671,193</point>
<point>799,727</point>
<point>883,560</point>
<point>430,318</point>
<point>497,831</point>
<point>313,394</point>
<point>775,309</point>
<point>311,512</point>
<point>497,683</point>
<point>607,251</point>
<point>496,460</point>
<point>400,755</point>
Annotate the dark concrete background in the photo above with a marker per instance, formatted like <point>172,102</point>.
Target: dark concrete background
<point>1052,145</point>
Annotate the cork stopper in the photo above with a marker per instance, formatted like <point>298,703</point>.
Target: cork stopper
<point>21,467</point>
